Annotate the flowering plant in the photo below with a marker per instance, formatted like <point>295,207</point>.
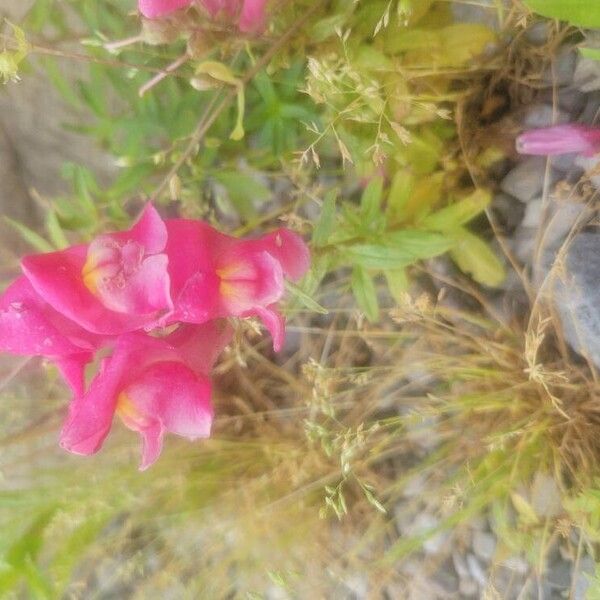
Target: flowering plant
<point>124,292</point>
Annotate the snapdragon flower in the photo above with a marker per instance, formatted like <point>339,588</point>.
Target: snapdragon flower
<point>249,14</point>
<point>560,139</point>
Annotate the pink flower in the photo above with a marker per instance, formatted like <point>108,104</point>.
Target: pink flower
<point>155,385</point>
<point>155,9</point>
<point>118,283</point>
<point>560,139</point>
<point>250,14</point>
<point>214,275</point>
<point>31,327</point>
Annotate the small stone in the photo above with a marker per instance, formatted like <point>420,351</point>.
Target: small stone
<point>460,565</point>
<point>543,115</point>
<point>591,166</point>
<point>587,567</point>
<point>575,294</point>
<point>545,496</point>
<point>476,570</point>
<point>468,588</point>
<point>533,213</point>
<point>446,579</point>
<point>484,545</point>
<point>415,486</point>
<point>358,586</point>
<point>526,180</point>
<point>523,244</point>
<point>561,71</point>
<point>571,100</point>
<point>517,564</point>
<point>558,576</point>
<point>591,112</point>
<point>434,543</point>
<point>587,74</point>
<point>538,33</point>
<point>565,163</point>
<point>508,210</point>
<point>484,12</point>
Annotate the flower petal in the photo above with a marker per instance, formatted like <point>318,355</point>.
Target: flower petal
<point>201,345</point>
<point>72,368</point>
<point>275,323</point>
<point>30,327</point>
<point>155,9</point>
<point>149,231</point>
<point>152,442</point>
<point>90,415</point>
<point>560,139</point>
<point>57,278</point>
<point>252,17</point>
<point>248,280</point>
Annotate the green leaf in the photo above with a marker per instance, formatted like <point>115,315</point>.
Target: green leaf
<point>399,195</point>
<point>593,53</point>
<point>420,244</point>
<point>244,191</point>
<point>523,507</point>
<point>370,202</point>
<point>459,213</point>
<point>475,257</point>
<point>582,13</point>
<point>57,235</point>
<point>397,283</point>
<point>373,256</point>
<point>305,299</point>
<point>326,222</point>
<point>364,291</point>
<point>11,59</point>
<point>30,236</point>
<point>222,73</point>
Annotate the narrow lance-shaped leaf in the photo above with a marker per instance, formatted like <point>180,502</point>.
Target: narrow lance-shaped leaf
<point>364,291</point>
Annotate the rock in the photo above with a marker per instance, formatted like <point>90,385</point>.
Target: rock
<point>415,486</point>
<point>544,115</point>
<point>476,570</point>
<point>558,576</point>
<point>446,580</point>
<point>533,213</point>
<point>526,180</point>
<point>508,211</point>
<point>517,564</point>
<point>587,74</point>
<point>523,244</point>
<point>358,587</point>
<point>539,33</point>
<point>574,291</point>
<point>591,111</point>
<point>425,523</point>
<point>561,71</point>
<point>468,588</point>
<point>581,583</point>
<point>591,166</point>
<point>571,100</point>
<point>545,496</point>
<point>484,12</point>
<point>484,545</point>
<point>460,565</point>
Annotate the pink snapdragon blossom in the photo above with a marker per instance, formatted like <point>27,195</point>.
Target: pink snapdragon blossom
<point>156,9</point>
<point>250,14</point>
<point>560,139</point>
<point>155,385</point>
<point>31,327</point>
<point>118,283</point>
<point>214,275</point>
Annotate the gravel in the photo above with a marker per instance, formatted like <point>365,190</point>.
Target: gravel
<point>526,180</point>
